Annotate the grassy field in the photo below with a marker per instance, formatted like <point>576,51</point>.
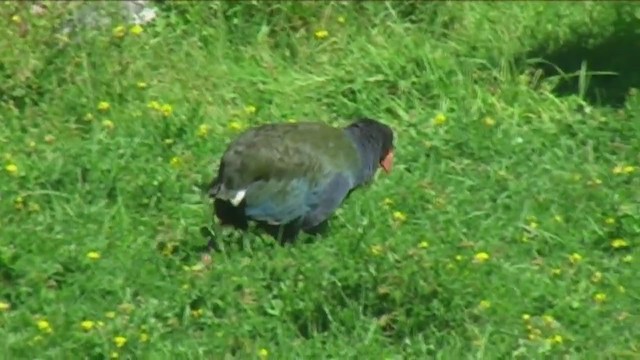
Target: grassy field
<point>509,228</point>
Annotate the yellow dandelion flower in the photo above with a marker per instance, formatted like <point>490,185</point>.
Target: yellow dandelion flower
<point>556,339</point>
<point>619,243</point>
<point>423,245</point>
<point>16,19</point>
<point>93,255</point>
<point>49,138</point>
<point>628,169</point>
<point>136,30</point>
<point>119,341</point>
<point>108,124</point>
<point>399,216</point>
<point>439,119</point>
<point>526,317</point>
<point>263,353</point>
<point>203,130</point>
<point>119,31</point>
<point>575,258</point>
<point>175,161</point>
<point>18,203</point>
<point>166,109</point>
<point>481,257</point>
<point>4,306</point>
<point>600,298</point>
<point>376,250</point>
<point>489,122</point>
<point>104,106</point>
<point>250,109</point>
<point>141,85</point>
<point>321,34</point>
<point>341,19</point>
<point>154,105</point>
<point>484,304</point>
<point>87,325</point>
<point>596,277</point>
<point>627,259</point>
<point>236,126</point>
<point>110,314</point>
<point>12,169</point>
<point>144,337</point>
<point>609,221</point>
<point>44,326</point>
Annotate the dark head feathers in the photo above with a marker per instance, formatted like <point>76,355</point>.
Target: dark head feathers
<point>373,132</point>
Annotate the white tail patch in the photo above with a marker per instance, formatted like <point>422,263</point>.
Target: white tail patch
<point>237,199</point>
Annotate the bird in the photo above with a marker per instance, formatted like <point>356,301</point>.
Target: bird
<point>291,177</point>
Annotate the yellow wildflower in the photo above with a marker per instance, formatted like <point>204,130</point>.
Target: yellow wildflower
<point>16,19</point>
<point>93,255</point>
<point>110,314</point>
<point>600,297</point>
<point>250,109</point>
<point>575,258</point>
<point>119,31</point>
<point>175,162</point>
<point>619,243</point>
<point>623,169</point>
<point>481,257</point>
<point>87,325</point>
<point>263,353</point>
<point>108,124</point>
<point>154,105</point>
<point>526,317</point>
<point>203,130</point>
<point>104,106</point>
<point>44,326</point>
<point>423,245</point>
<point>489,122</point>
<point>439,119</point>
<point>236,126</point>
<point>484,304</point>
<point>376,250</point>
<point>4,306</point>
<point>120,341</point>
<point>12,169</point>
<point>166,109</point>
<point>321,34</point>
<point>556,339</point>
<point>136,30</point>
<point>341,19</point>
<point>399,216</point>
<point>144,337</point>
<point>141,85</point>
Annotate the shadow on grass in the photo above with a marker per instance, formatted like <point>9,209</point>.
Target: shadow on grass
<point>612,54</point>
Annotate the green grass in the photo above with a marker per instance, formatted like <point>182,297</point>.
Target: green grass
<point>531,186</point>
